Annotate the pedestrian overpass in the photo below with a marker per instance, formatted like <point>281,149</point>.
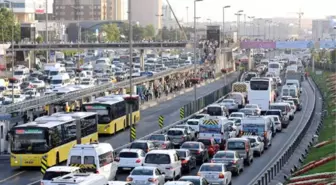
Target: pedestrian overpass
<point>300,44</point>
<point>122,45</point>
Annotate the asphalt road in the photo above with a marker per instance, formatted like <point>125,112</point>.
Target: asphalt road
<point>147,125</point>
<point>280,139</point>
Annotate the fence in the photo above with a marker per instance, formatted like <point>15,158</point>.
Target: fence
<point>282,157</point>
<point>326,67</point>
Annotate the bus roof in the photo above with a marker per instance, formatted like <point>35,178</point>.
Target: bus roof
<point>49,124</point>
<point>75,115</point>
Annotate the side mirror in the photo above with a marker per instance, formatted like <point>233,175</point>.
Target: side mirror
<point>163,173</point>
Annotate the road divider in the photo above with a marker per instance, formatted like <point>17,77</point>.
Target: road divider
<point>161,121</point>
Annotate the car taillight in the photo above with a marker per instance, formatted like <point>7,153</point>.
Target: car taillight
<point>221,176</point>
<point>198,174</point>
<point>234,162</point>
<point>198,152</point>
<point>265,134</point>
<point>117,159</point>
<point>129,179</point>
<point>138,161</point>
<point>184,161</point>
<point>152,180</point>
<point>97,172</point>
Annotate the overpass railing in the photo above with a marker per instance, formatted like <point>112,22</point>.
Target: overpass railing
<point>49,99</point>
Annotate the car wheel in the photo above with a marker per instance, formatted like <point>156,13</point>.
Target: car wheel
<point>237,173</point>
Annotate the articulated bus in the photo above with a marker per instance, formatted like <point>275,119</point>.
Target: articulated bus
<point>261,92</point>
<point>112,113</point>
<point>51,137</point>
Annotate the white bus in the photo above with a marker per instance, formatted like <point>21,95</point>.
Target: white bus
<point>261,92</point>
<point>274,67</point>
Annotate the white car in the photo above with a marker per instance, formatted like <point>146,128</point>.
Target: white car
<point>278,80</point>
<point>130,158</point>
<point>148,175</point>
<point>230,104</point>
<point>292,104</point>
<point>254,106</point>
<point>238,115</point>
<point>57,171</point>
<point>257,144</point>
<point>38,84</point>
<point>215,173</point>
<point>277,122</point>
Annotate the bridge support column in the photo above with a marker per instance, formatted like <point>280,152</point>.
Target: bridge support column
<point>142,59</point>
<point>51,109</point>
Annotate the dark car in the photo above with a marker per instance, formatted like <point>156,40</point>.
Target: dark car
<point>211,144</point>
<point>144,145</point>
<point>276,112</point>
<point>197,149</point>
<point>187,160</point>
<point>161,141</point>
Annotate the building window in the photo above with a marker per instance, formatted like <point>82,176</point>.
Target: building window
<point>18,5</point>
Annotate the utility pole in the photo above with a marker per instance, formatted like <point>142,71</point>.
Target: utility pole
<point>187,8</point>
<point>238,14</point>
<point>161,39</point>
<point>47,34</point>
<point>130,37</point>
<point>245,31</point>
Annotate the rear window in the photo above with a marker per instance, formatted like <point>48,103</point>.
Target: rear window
<point>214,111</point>
<point>236,145</point>
<point>128,155</point>
<point>174,132</point>
<point>211,168</point>
<point>224,155</point>
<point>280,107</point>
<point>89,160</point>
<point>206,142</point>
<point>148,172</point>
<point>275,118</point>
<point>51,175</point>
<point>252,140</point>
<point>190,145</point>
<point>157,137</point>
<point>192,122</point>
<point>75,159</point>
<point>181,153</point>
<point>157,159</point>
<point>142,146</point>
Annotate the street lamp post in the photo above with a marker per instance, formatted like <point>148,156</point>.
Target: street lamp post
<point>251,24</point>
<point>12,43</point>
<point>238,14</point>
<point>195,45</point>
<point>130,37</point>
<point>161,39</point>
<point>46,27</point>
<point>223,47</point>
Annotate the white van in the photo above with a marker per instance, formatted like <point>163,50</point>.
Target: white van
<point>57,171</point>
<point>285,109</point>
<point>80,179</point>
<point>21,73</point>
<point>166,160</point>
<point>296,83</point>
<point>290,90</point>
<point>259,125</point>
<point>60,81</point>
<point>101,155</point>
<point>275,68</point>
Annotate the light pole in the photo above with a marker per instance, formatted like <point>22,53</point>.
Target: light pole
<point>161,39</point>
<point>238,14</point>
<point>77,8</point>
<point>195,44</point>
<point>223,47</point>
<point>245,32</point>
<point>209,21</point>
<point>187,8</point>
<point>47,33</point>
<point>251,24</point>
<point>130,40</point>
<point>12,43</point>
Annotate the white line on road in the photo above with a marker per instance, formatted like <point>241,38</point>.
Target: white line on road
<point>34,182</point>
<point>3,180</point>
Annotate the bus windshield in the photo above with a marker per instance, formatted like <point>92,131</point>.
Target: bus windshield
<point>29,140</point>
<point>273,66</point>
<point>101,110</point>
<point>259,85</point>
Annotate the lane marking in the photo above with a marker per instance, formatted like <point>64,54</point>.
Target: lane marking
<point>32,183</point>
<point>10,177</point>
<point>288,140</point>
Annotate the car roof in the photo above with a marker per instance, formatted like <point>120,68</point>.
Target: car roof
<point>191,177</point>
<point>145,167</point>
<point>134,150</point>
<point>62,169</point>
<point>180,129</point>
<point>161,152</point>
<point>237,139</point>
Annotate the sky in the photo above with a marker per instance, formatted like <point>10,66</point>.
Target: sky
<point>212,9</point>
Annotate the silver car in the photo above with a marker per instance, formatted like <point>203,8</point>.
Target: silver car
<point>215,173</point>
<point>191,132</point>
<point>230,104</point>
<point>146,175</point>
<point>178,136</point>
<point>231,159</point>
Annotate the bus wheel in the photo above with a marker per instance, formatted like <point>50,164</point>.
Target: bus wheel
<point>57,158</point>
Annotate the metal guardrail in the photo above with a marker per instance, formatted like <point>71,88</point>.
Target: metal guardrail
<point>124,45</point>
<point>285,153</point>
<point>49,99</point>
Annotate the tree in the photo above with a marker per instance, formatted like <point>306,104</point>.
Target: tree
<point>138,33</point>
<point>112,32</point>
<point>39,39</point>
<point>149,31</point>
<point>333,56</point>
<point>7,22</point>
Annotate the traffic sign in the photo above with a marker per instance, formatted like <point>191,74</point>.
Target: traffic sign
<point>182,112</point>
<point>44,164</point>
<point>161,121</point>
<point>133,133</point>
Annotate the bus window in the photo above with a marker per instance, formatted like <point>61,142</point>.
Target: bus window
<point>259,85</point>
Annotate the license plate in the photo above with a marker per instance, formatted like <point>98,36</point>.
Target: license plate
<point>127,168</point>
<point>139,182</point>
<point>210,176</point>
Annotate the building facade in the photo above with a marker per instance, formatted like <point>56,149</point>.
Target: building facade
<point>324,28</point>
<point>80,9</point>
<point>115,10</point>
<point>145,11</point>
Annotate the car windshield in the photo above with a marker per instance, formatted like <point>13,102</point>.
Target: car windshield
<point>282,108</point>
<point>224,155</point>
<point>236,145</point>
<point>190,145</point>
<point>192,122</point>
<point>250,106</point>
<point>157,159</point>
<point>194,181</point>
<point>142,146</point>
<point>252,140</point>
<point>128,155</point>
<point>211,168</point>
<point>157,137</point>
<point>275,118</point>
<point>55,82</point>
<point>18,73</point>
<point>174,132</point>
<point>50,175</point>
<point>236,115</point>
<point>148,172</point>
<point>181,154</point>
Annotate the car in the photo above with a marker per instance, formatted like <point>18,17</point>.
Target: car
<point>194,124</point>
<point>57,171</point>
<point>234,129</point>
<point>215,173</point>
<point>230,104</point>
<point>130,158</point>
<point>148,175</point>
<point>161,141</point>
<point>178,183</point>
<point>243,147</point>
<point>196,180</point>
<point>144,145</point>
<point>292,104</point>
<point>189,129</point>
<point>277,121</point>
<point>254,106</point>
<point>119,183</point>
<point>178,136</point>
<point>38,84</point>
<point>188,161</point>
<point>257,144</point>
<point>239,115</point>
<point>211,144</point>
<point>197,149</point>
<point>297,103</point>
<point>249,111</point>
<point>278,80</point>
<point>233,162</point>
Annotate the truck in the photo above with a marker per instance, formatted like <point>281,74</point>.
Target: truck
<point>294,75</point>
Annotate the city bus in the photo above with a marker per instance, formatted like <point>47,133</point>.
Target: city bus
<point>261,92</point>
<point>274,67</point>
<point>112,113</point>
<point>51,137</point>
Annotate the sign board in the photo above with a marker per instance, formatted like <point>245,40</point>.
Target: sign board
<point>318,72</point>
<point>257,44</point>
<point>213,33</point>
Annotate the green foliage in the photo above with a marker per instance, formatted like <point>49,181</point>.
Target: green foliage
<point>333,56</point>
<point>149,31</point>
<point>112,32</point>
<point>7,22</point>
<point>39,39</point>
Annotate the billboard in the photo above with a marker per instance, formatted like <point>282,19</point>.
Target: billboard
<point>257,44</point>
<point>295,44</point>
<point>328,44</point>
<point>213,33</point>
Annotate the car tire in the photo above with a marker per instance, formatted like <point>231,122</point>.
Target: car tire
<point>237,173</point>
